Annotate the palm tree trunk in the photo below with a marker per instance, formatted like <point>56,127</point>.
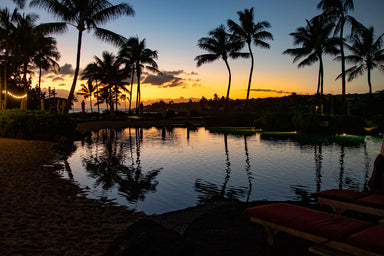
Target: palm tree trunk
<point>250,75</point>
<point>90,101</point>
<point>229,85</point>
<point>130,98</point>
<point>72,91</point>
<point>321,85</point>
<point>116,98</point>
<point>343,80</point>
<point>369,81</point>
<point>322,77</point>
<point>138,96</point>
<point>318,81</point>
<point>25,84</point>
<point>39,78</point>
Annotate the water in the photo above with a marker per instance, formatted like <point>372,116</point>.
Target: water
<point>159,170</point>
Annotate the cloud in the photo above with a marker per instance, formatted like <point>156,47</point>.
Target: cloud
<point>66,69</point>
<point>58,78</point>
<point>269,90</point>
<point>169,79</point>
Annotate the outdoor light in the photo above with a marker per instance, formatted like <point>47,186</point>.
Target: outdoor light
<point>15,96</point>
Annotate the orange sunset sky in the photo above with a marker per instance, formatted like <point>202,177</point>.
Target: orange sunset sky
<point>173,27</point>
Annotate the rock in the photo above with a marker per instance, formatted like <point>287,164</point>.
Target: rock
<point>147,237</point>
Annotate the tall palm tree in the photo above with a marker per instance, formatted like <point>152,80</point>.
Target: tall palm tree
<point>27,36</point>
<point>315,41</point>
<point>7,47</point>
<point>87,91</point>
<point>109,71</point>
<point>137,57</point>
<point>85,15</point>
<point>220,44</point>
<point>249,32</point>
<point>46,56</point>
<point>338,11</point>
<point>367,54</point>
<point>20,3</point>
<point>92,72</point>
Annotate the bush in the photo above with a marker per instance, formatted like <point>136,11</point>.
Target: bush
<point>35,124</point>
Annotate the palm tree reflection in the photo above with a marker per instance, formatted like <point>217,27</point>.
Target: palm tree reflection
<point>109,166</point>
<point>212,192</point>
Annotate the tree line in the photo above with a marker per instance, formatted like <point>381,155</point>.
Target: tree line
<point>323,34</point>
<point>24,45</point>
<point>109,73</point>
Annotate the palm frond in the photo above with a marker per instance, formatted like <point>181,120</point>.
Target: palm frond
<point>109,36</point>
<point>206,58</point>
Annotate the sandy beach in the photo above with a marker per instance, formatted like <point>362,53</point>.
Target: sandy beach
<point>43,214</point>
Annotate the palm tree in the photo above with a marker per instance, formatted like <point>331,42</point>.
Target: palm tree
<point>249,32</point>
<point>367,53</point>
<point>46,56</point>
<point>87,91</point>
<point>136,56</point>
<point>110,73</point>
<point>7,47</point>
<point>338,11</point>
<point>20,3</point>
<point>92,72</point>
<point>85,15</point>
<point>314,40</point>
<point>27,36</point>
<point>220,44</point>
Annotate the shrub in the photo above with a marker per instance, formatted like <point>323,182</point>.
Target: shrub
<point>35,124</point>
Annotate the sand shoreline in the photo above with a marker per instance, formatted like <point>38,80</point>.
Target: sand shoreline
<point>44,214</point>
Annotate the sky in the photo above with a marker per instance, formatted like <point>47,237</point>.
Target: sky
<point>173,28</point>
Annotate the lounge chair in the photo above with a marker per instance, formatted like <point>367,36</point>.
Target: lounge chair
<point>332,234</point>
<point>343,199</point>
<point>367,202</point>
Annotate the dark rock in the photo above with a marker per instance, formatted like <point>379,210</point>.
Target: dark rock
<point>147,237</point>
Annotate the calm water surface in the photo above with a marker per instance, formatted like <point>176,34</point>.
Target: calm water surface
<point>158,170</point>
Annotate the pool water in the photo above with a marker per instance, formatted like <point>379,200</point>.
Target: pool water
<point>157,170</point>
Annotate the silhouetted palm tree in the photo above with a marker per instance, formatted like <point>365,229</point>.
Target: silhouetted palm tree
<point>85,15</point>
<point>46,56</point>
<point>367,54</point>
<point>249,32</point>
<point>220,44</point>
<point>315,41</point>
<point>20,3</point>
<point>87,91</point>
<point>27,38</point>
<point>7,46</point>
<point>338,11</point>
<point>136,55</point>
<point>111,75</point>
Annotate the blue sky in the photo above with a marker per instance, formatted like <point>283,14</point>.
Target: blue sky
<point>173,28</point>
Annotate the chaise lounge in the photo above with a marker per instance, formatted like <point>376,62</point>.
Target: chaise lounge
<point>332,234</point>
<point>341,200</point>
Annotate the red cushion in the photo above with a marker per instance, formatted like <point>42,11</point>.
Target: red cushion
<point>315,222</point>
<point>344,195</point>
<point>370,239</point>
<point>373,200</point>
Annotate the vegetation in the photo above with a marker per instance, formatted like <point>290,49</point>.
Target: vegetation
<point>315,41</point>
<point>367,53</point>
<point>85,15</point>
<point>33,124</point>
<point>337,11</point>
<point>220,44</point>
<point>135,55</point>
<point>25,45</point>
<point>249,32</point>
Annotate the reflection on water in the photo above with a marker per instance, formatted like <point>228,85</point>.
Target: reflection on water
<point>159,170</point>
